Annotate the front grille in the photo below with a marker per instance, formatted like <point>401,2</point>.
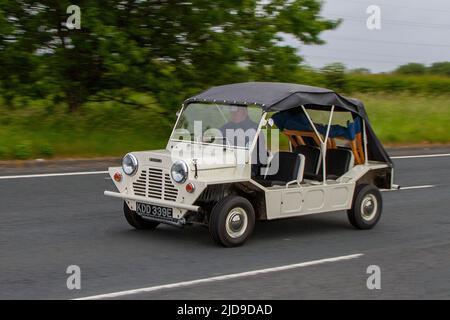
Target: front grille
<point>154,183</point>
<point>170,192</point>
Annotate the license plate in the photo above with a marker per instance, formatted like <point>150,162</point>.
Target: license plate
<point>152,211</point>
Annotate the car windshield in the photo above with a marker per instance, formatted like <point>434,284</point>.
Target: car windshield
<point>222,124</point>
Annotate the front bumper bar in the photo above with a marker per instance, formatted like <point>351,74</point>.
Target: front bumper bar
<point>159,202</point>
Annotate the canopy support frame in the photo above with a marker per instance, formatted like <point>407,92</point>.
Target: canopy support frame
<point>323,143</point>
<point>366,156</point>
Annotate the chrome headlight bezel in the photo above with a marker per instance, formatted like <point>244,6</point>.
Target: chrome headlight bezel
<point>179,171</point>
<point>130,164</point>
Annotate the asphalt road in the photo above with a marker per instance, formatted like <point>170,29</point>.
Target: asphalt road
<point>49,223</point>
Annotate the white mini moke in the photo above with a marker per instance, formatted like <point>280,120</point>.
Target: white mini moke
<point>223,168</point>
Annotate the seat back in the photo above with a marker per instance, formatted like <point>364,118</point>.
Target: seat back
<point>339,161</point>
<point>312,157</point>
<point>290,167</point>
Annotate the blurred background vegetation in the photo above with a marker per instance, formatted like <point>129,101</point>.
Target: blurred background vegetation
<point>116,84</point>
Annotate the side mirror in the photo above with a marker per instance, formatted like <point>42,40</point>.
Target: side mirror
<point>270,122</point>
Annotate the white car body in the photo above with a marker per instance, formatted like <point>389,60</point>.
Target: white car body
<point>152,183</point>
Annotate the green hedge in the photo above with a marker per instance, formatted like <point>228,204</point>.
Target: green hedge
<point>397,83</point>
<point>347,82</point>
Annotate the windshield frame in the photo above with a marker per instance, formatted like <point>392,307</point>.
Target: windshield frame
<point>227,145</point>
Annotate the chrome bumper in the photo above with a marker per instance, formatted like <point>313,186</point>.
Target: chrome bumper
<point>158,202</point>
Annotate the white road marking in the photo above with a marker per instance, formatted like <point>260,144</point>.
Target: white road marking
<point>43,175</point>
<point>423,156</point>
<point>418,187</point>
<point>410,188</point>
<point>221,278</point>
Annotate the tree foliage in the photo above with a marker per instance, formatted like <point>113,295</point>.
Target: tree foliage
<point>440,69</point>
<point>412,69</point>
<point>437,69</point>
<point>335,76</point>
<point>167,48</point>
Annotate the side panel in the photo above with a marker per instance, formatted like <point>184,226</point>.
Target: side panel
<point>298,201</point>
<point>291,201</point>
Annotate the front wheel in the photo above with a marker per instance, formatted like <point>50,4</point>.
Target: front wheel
<point>136,221</point>
<point>232,221</point>
<point>366,209</point>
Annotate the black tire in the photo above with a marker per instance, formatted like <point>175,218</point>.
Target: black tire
<point>366,208</point>
<point>239,214</point>
<point>136,221</point>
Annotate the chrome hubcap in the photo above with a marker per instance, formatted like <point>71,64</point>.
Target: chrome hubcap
<point>236,222</point>
<point>369,207</point>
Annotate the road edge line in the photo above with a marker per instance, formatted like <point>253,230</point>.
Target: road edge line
<point>422,156</point>
<point>44,175</point>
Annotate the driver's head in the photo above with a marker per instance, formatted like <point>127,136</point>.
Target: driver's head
<point>238,114</point>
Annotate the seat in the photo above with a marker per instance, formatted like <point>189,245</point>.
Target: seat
<point>312,157</point>
<point>355,144</point>
<point>288,167</point>
<point>338,161</point>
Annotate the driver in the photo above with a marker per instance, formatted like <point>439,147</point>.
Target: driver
<point>239,120</point>
<point>240,131</point>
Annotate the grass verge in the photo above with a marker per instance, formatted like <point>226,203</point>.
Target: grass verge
<point>111,129</point>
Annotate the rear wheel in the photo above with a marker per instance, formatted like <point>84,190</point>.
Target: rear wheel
<point>232,221</point>
<point>136,221</point>
<point>367,206</point>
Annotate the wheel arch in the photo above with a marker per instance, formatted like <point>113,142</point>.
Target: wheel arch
<point>381,178</point>
<point>214,193</point>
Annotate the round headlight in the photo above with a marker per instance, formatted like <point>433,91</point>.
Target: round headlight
<point>179,171</point>
<point>129,164</point>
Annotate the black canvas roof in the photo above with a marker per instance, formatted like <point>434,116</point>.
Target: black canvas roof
<point>274,96</point>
